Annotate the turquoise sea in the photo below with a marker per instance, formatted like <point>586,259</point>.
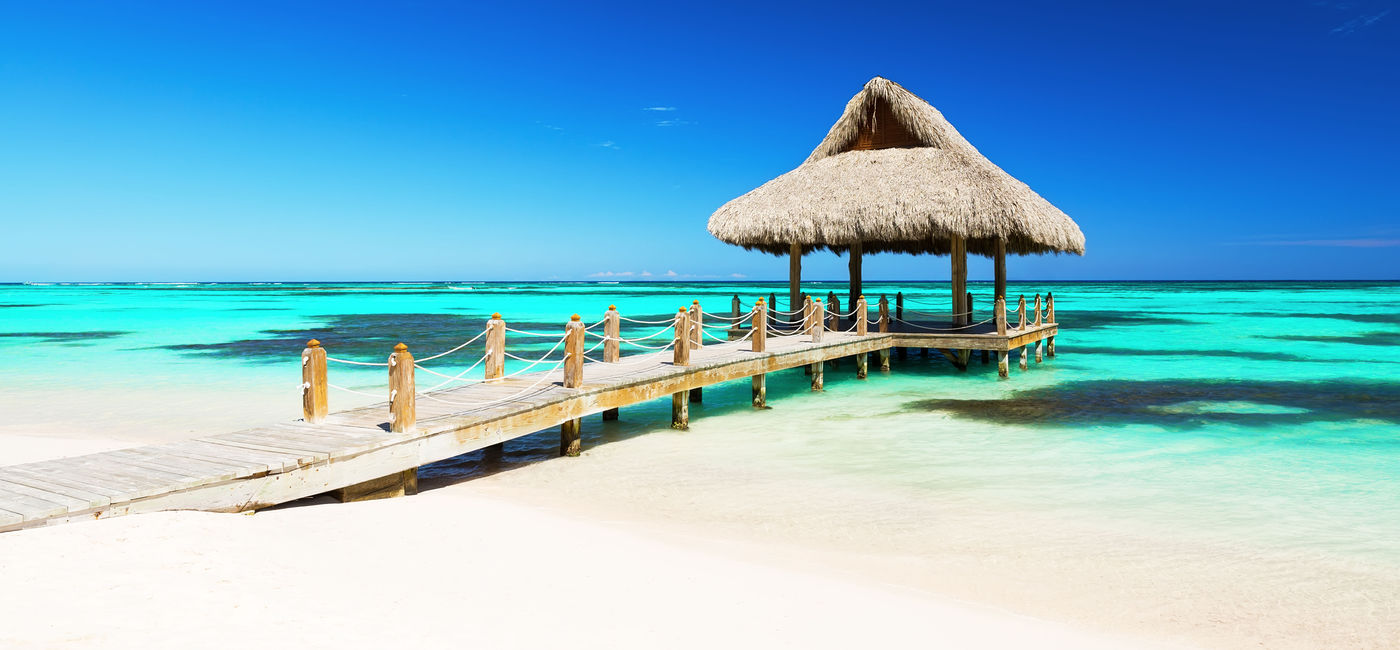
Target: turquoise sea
<point>1251,428</point>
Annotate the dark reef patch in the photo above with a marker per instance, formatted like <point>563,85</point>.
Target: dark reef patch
<point>371,337</point>
<point>1379,339</point>
<point>1090,319</point>
<point>1148,402</point>
<point>65,338</point>
<point>1229,354</point>
<point>19,305</point>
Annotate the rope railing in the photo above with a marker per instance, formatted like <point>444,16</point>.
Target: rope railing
<point>443,354</point>
<point>644,322</point>
<point>356,363</point>
<point>683,334</point>
<point>944,329</point>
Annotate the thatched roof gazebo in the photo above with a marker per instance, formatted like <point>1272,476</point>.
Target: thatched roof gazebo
<point>893,175</point>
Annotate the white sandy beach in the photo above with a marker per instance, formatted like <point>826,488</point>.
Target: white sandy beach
<point>652,541</point>
<point>452,567</point>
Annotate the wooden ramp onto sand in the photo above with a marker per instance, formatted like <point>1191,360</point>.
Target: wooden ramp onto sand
<point>375,451</point>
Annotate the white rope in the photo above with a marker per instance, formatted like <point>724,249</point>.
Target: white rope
<point>591,359</point>
<point>508,329</point>
<point>459,376</point>
<point>945,329</point>
<point>538,361</point>
<point>356,363</point>
<point>544,376</point>
<point>626,340</point>
<point>357,392</point>
<point>651,347</point>
<point>473,340</point>
<point>738,318</point>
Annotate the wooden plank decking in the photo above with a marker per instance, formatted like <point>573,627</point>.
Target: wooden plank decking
<point>274,464</point>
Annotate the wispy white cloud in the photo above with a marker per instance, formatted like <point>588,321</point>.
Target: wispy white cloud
<point>672,122</point>
<point>612,274</point>
<point>663,109</point>
<point>1360,22</point>
<point>609,144</point>
<point>1361,242</point>
<point>672,274</point>
<point>737,275</point>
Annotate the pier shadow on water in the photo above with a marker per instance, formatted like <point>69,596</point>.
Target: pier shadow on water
<point>1181,403</point>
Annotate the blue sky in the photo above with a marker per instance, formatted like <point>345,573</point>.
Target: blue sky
<point>400,141</point>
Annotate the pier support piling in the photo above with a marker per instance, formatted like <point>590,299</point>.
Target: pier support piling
<point>398,484</point>
<point>818,376</point>
<point>1003,364</point>
<point>570,437</point>
<point>680,411</point>
<point>760,391</point>
<point>1025,352</point>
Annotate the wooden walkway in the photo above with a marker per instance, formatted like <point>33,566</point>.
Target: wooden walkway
<point>357,452</point>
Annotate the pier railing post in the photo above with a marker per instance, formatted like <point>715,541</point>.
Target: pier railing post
<point>697,326</point>
<point>573,353</point>
<point>884,329</point>
<point>760,344</point>
<point>402,389</point>
<point>495,348</point>
<point>815,326</point>
<point>612,346</point>
<point>833,308</point>
<point>570,440</point>
<point>1021,313</point>
<point>680,400</point>
<point>899,316</point>
<point>612,333</point>
<point>495,370</point>
<point>862,329</point>
<point>697,341</point>
<point>1000,315</point>
<point>1037,310</point>
<point>734,312</point>
<point>314,403</point>
<point>760,326</point>
<point>1050,317</point>
<point>681,356</point>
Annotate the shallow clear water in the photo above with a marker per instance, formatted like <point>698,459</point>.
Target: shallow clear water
<point>1261,418</point>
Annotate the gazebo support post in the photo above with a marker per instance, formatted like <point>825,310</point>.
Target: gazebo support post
<point>853,265</point>
<point>1000,291</point>
<point>794,276</point>
<point>959,281</point>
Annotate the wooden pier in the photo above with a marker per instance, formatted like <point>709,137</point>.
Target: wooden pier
<point>374,451</point>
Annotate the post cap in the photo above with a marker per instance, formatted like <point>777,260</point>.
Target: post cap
<point>695,302</point>
<point>313,343</point>
<point>682,310</point>
<point>574,317</point>
<point>861,297</point>
<point>612,307</point>
<point>401,348</point>
<point>760,301</point>
<point>496,316</point>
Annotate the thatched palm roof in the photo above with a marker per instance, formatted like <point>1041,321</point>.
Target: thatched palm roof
<point>894,175</point>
